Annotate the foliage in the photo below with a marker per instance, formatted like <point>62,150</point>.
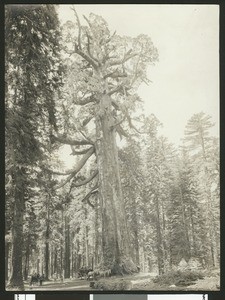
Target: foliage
<point>119,284</point>
<point>178,278</point>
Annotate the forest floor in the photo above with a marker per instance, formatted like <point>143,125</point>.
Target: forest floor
<point>208,283</point>
<point>138,282</point>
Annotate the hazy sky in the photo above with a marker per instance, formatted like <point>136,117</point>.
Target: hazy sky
<point>186,78</point>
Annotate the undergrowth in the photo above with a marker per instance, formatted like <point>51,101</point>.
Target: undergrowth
<point>112,285</point>
<point>178,278</point>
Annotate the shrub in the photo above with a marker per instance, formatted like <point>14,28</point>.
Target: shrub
<point>179,278</point>
<point>112,285</point>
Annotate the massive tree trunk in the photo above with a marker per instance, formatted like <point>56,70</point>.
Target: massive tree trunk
<point>115,243</point>
<point>16,280</point>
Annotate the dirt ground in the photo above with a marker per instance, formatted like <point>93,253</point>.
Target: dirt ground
<point>141,281</point>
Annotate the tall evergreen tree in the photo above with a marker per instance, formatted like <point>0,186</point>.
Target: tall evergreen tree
<point>197,137</point>
<point>31,66</point>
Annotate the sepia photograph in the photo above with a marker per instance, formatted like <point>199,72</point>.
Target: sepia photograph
<point>112,165</point>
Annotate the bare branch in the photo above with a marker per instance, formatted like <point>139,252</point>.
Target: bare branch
<point>75,152</point>
<point>69,172</point>
<point>74,184</point>
<point>86,57</point>
<point>121,132</point>
<point>93,191</point>
<point>115,74</point>
<point>133,126</point>
<point>78,167</point>
<point>79,27</point>
<point>86,19</point>
<point>118,122</point>
<point>89,49</point>
<point>115,105</point>
<point>65,182</point>
<point>118,89</point>
<point>106,57</point>
<point>86,137</point>
<point>68,141</point>
<point>115,90</point>
<point>127,56</point>
<point>109,39</point>
<point>87,120</point>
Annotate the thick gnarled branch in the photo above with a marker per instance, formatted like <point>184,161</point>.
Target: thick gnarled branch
<point>115,105</point>
<point>118,88</point>
<point>79,27</point>
<point>115,90</point>
<point>87,120</point>
<point>121,132</point>
<point>86,57</point>
<point>133,126</point>
<point>81,152</point>
<point>84,182</point>
<point>118,122</point>
<point>78,167</point>
<point>68,141</point>
<point>93,191</point>
<point>127,56</point>
<point>89,48</point>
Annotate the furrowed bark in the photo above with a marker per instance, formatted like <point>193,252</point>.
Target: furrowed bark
<point>115,243</point>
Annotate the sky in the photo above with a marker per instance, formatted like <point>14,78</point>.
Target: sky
<point>185,80</point>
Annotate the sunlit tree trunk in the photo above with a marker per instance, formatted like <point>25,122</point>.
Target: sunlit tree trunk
<point>67,248</point>
<point>16,280</point>
<point>26,259</point>
<point>115,244</point>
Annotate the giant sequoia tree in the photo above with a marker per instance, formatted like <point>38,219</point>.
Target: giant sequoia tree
<point>32,63</point>
<point>104,70</point>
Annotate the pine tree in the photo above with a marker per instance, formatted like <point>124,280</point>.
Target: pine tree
<point>203,151</point>
<point>31,54</point>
